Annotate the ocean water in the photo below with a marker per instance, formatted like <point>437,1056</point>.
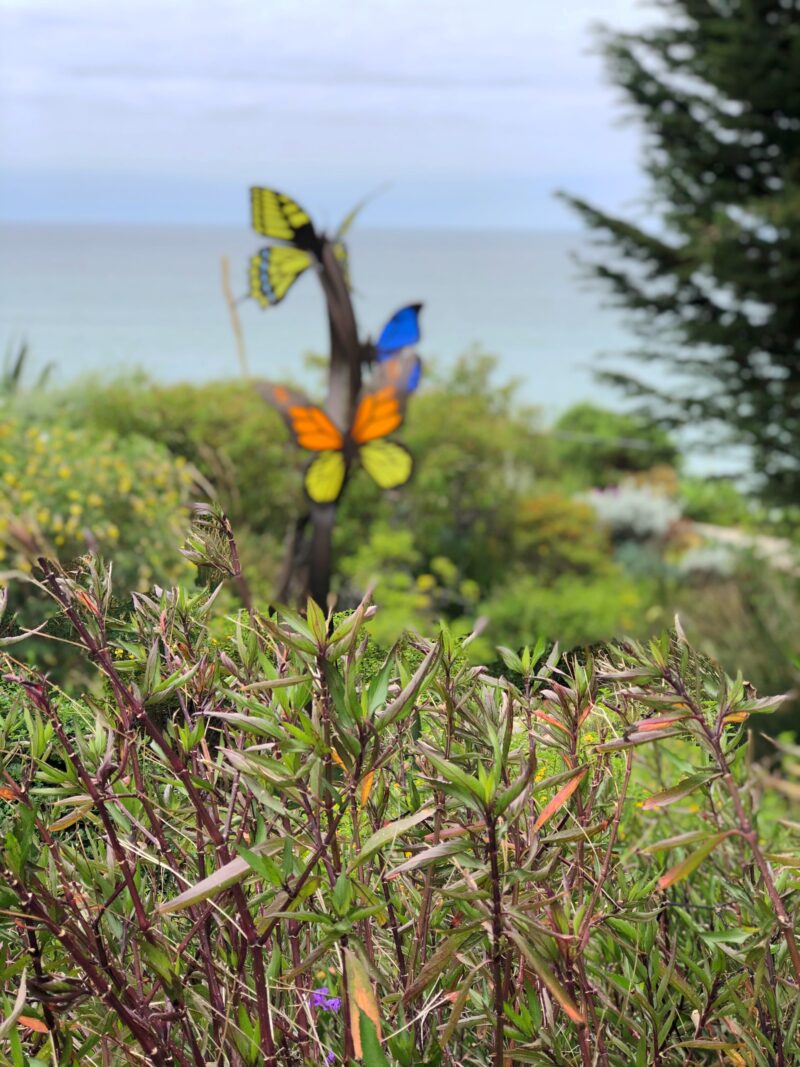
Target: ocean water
<point>108,299</point>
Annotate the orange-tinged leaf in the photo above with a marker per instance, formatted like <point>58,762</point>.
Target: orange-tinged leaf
<point>737,716</point>
<point>561,797</point>
<point>6,793</point>
<point>338,759</point>
<point>33,1023</point>
<point>692,862</point>
<point>366,787</point>
<point>88,601</point>
<point>659,722</point>
<point>361,997</point>
<point>537,714</point>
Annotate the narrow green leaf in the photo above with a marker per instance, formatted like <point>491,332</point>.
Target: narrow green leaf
<point>387,835</point>
<point>404,699</point>
<point>679,791</point>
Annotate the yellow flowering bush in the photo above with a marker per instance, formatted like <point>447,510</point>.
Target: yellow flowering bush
<point>64,489</point>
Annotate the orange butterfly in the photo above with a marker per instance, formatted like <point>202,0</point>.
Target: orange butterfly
<point>379,412</point>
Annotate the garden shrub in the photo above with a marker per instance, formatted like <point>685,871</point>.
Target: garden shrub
<point>224,429</point>
<point>63,491</point>
<point>267,843</point>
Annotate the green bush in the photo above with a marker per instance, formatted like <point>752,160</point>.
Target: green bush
<point>497,519</point>
<point>64,490</point>
<point>69,487</point>
<point>599,447</point>
<point>572,610</point>
<point>265,843</point>
<point>224,429</point>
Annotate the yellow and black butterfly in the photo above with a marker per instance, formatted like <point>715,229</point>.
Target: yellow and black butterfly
<point>275,269</point>
<point>379,412</point>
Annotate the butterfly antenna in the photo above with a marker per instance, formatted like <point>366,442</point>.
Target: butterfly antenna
<point>236,324</point>
<point>354,212</point>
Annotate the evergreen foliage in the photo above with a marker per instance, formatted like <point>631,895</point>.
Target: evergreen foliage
<point>711,278</point>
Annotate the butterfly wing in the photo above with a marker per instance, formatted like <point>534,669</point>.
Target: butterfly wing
<point>382,406</point>
<point>310,426</point>
<point>277,216</point>
<point>387,462</point>
<point>401,331</point>
<point>325,477</point>
<point>273,271</point>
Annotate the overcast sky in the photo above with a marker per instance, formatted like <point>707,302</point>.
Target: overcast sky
<point>474,111</point>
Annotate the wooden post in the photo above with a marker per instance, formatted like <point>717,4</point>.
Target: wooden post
<point>344,385</point>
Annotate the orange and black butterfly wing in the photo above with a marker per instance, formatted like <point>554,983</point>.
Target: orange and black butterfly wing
<point>380,412</point>
<point>382,406</point>
<point>310,426</point>
<point>313,430</point>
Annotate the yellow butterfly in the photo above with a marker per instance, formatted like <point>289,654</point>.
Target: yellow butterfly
<point>379,412</point>
<point>275,269</point>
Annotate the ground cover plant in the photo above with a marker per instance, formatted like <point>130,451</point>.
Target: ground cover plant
<point>262,839</point>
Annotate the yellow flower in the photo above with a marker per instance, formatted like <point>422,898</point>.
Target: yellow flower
<point>64,471</point>
<point>94,500</point>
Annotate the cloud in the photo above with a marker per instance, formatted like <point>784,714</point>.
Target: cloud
<point>412,90</point>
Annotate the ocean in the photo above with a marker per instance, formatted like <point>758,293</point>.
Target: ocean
<point>108,299</point>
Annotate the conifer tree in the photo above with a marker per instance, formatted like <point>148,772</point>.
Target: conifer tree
<point>712,276</point>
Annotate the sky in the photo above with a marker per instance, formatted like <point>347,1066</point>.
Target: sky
<point>465,113</point>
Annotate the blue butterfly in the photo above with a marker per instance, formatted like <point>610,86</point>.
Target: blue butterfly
<point>401,331</point>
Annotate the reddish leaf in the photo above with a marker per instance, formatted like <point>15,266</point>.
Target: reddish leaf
<point>33,1023</point>
<point>561,797</point>
<point>691,863</point>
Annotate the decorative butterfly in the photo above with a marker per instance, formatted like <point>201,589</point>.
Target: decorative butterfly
<point>275,269</point>
<point>400,332</point>
<point>379,412</point>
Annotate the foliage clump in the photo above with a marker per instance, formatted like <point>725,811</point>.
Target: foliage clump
<point>263,842</point>
<point>710,280</point>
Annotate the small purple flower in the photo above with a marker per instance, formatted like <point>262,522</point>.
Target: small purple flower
<point>330,1058</point>
<point>319,996</point>
<point>321,1000</point>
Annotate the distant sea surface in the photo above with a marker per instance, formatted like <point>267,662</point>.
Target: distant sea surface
<point>110,299</point>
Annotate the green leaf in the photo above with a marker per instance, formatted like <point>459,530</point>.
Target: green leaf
<point>402,703</point>
<point>371,1051</point>
<point>387,835</point>
<point>453,774</point>
<point>666,843</point>
<point>316,621</point>
<point>223,878</point>
<point>679,791</point>
<point>511,659</point>
<point>430,855</point>
<point>544,972</point>
<point>436,963</point>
